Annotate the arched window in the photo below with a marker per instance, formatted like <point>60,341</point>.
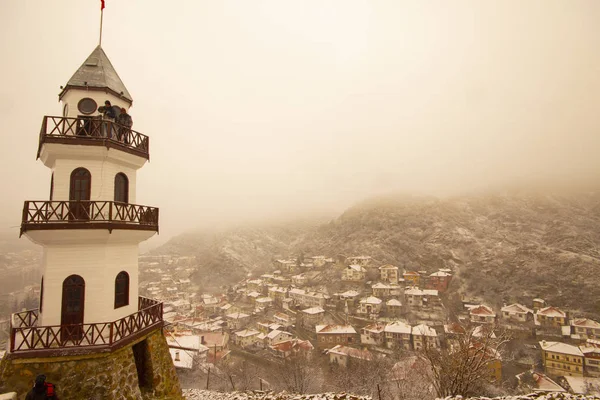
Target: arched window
<point>73,301</point>
<point>121,188</point>
<point>79,194</point>
<point>122,289</point>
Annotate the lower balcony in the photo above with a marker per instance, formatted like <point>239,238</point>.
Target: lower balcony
<point>28,339</point>
<point>40,215</point>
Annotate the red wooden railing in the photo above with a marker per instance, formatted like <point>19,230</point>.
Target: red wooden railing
<point>94,129</point>
<point>36,213</point>
<point>25,335</point>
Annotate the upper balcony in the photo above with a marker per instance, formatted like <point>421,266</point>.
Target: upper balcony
<point>41,215</point>
<point>93,131</point>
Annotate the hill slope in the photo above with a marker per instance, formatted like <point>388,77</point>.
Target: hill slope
<point>503,247</point>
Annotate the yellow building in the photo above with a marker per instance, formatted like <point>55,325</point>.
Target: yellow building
<point>561,359</point>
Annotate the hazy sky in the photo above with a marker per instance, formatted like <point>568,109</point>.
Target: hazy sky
<point>261,108</point>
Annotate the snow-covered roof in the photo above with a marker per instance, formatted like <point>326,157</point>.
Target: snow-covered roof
<point>313,310</point>
<point>351,352</point>
<point>424,330</point>
<point>394,303</point>
<point>253,294</point>
<point>380,285</point>
<point>388,266</point>
<point>181,358</point>
<point>559,347</point>
<point>398,327</point>
<point>441,274</point>
<point>335,329</point>
<point>350,293</point>
<point>275,333</point>
<point>297,291</point>
<point>585,323</point>
<point>482,310</point>
<point>552,312</point>
<point>371,300</point>
<point>264,300</point>
<point>516,309</point>
<point>282,316</point>
<point>237,315</point>
<point>247,332</point>
<point>581,385</point>
<point>192,342</point>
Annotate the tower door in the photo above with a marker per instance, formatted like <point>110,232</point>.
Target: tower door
<point>73,300</point>
<point>79,195</point>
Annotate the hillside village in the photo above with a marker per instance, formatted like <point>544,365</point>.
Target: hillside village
<point>338,310</point>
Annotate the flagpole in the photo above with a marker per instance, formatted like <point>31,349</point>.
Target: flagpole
<point>101,15</point>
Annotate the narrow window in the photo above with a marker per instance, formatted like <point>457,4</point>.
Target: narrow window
<point>52,187</point>
<point>41,294</point>
<point>121,188</point>
<point>122,289</point>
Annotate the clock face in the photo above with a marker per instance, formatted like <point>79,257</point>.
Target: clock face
<point>87,105</point>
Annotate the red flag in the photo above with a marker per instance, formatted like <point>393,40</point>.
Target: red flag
<point>102,5</point>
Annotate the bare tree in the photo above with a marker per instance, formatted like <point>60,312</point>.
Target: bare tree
<point>467,364</point>
<point>298,374</point>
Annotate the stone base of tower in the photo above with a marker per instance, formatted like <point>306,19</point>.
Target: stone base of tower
<point>142,370</point>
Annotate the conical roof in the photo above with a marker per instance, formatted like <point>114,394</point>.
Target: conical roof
<point>97,72</point>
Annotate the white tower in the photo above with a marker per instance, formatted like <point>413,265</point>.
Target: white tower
<point>91,227</point>
<point>90,316</point>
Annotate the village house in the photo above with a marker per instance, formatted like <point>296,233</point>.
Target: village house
<point>561,359</point>
<point>237,320</point>
<point>385,290</point>
<point>363,261</point>
<point>416,297</point>
<point>290,348</point>
<point>373,334</point>
<point>283,319</point>
<point>350,295</point>
<point>311,317</point>
<point>583,328</point>
<point>482,314</point>
<point>425,337</point>
<point>252,296</point>
<point>517,313</point>
<point>393,307</point>
<point>354,273</point>
<point>551,317</point>
<point>538,304</point>
<point>412,278</point>
<point>591,361</point>
<point>342,355</point>
<point>277,293</point>
<point>255,285</point>
<point>217,343</point>
<point>330,335</point>
<point>187,350</point>
<point>263,303</point>
<point>493,361</point>
<point>370,305</point>
<point>300,280</point>
<point>439,281</point>
<point>247,337</point>
<point>228,308</point>
<point>277,336</point>
<point>285,265</point>
<point>305,298</point>
<point>398,335</point>
<point>388,273</point>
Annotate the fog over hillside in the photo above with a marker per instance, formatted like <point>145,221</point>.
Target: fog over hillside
<point>504,247</point>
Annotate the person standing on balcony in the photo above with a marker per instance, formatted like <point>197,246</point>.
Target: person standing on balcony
<point>126,121</point>
<point>41,390</point>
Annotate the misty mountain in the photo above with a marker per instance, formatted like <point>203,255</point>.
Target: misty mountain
<point>502,248</point>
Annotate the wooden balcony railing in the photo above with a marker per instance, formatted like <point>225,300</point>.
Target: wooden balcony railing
<point>93,131</point>
<point>25,335</point>
<point>88,215</point>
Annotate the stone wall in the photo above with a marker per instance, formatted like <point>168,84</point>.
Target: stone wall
<point>97,376</point>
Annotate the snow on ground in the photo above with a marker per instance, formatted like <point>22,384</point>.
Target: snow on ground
<point>197,394</point>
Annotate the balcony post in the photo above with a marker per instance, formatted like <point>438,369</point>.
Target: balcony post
<point>110,207</point>
<point>110,339</point>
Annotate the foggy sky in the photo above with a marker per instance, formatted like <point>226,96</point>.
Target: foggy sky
<point>266,108</point>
